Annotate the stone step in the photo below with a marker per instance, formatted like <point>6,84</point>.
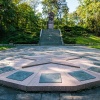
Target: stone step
<point>50,37</point>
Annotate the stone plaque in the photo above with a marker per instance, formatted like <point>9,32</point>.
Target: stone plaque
<point>50,26</point>
<point>20,75</point>
<point>95,69</point>
<point>81,75</point>
<point>6,69</point>
<point>50,78</point>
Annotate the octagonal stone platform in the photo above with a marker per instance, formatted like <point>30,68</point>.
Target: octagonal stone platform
<point>50,73</point>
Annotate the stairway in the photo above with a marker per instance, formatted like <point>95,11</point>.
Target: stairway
<point>50,37</point>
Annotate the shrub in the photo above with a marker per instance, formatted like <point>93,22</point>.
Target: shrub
<point>69,40</point>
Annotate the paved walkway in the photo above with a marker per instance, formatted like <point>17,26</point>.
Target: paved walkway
<point>84,52</point>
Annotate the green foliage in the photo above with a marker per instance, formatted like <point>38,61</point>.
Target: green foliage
<point>89,14</point>
<point>69,34</point>
<point>19,23</point>
<point>69,40</point>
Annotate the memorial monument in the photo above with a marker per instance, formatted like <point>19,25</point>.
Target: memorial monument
<point>50,24</point>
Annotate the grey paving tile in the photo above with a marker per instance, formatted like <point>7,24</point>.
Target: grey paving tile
<point>81,75</point>
<point>65,96</point>
<point>91,94</point>
<point>86,98</point>
<point>95,69</point>
<point>50,96</point>
<point>28,96</point>
<point>7,97</point>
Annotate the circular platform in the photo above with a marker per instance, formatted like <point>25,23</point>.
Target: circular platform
<point>61,71</point>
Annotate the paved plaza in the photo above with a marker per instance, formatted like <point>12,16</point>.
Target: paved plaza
<point>62,66</point>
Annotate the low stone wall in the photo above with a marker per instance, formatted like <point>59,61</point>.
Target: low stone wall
<point>11,44</point>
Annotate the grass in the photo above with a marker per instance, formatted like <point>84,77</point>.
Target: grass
<point>5,47</point>
<point>91,41</point>
<point>95,46</point>
<point>88,40</point>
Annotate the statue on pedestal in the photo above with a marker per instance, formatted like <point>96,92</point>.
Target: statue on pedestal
<point>50,20</point>
<point>51,16</point>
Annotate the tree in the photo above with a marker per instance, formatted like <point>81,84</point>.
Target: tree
<point>19,22</point>
<point>89,13</point>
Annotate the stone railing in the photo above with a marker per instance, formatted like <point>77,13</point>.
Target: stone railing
<point>61,36</point>
<point>40,33</point>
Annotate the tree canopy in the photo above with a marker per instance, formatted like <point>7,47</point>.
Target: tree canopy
<point>20,22</point>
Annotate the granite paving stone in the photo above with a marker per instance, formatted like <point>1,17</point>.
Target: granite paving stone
<point>81,75</point>
<point>50,96</point>
<point>28,96</point>
<point>20,75</point>
<point>50,78</point>
<point>96,63</point>
<point>65,96</point>
<point>91,55</point>
<point>95,69</point>
<point>6,69</point>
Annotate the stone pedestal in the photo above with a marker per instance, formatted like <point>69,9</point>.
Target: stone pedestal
<point>50,24</point>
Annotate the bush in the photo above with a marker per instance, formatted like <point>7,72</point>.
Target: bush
<point>22,38</point>
<point>69,40</point>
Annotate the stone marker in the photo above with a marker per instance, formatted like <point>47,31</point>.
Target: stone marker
<point>50,78</point>
<point>20,75</point>
<point>81,75</point>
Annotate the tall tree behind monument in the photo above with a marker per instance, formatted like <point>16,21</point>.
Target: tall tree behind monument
<point>53,6</point>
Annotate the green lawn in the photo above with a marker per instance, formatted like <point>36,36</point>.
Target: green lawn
<point>5,47</point>
<point>91,41</point>
<point>95,46</point>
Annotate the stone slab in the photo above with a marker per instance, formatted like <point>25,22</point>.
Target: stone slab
<point>17,63</point>
<point>20,75</point>
<point>50,96</point>
<point>32,83</point>
<point>65,96</point>
<point>6,69</point>
<point>96,63</point>
<point>50,26</point>
<point>50,59</point>
<point>50,78</point>
<point>81,75</point>
<point>95,69</point>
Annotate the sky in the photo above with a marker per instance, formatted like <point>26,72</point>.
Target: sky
<point>72,5</point>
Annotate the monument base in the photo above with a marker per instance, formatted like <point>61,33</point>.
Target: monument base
<point>50,25</point>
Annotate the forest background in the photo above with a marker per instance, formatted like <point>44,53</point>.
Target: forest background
<point>20,22</point>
